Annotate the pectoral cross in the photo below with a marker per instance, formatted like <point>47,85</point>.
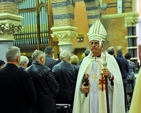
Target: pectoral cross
<point>94,77</point>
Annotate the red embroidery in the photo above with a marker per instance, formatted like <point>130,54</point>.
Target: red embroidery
<point>112,78</point>
<point>102,82</point>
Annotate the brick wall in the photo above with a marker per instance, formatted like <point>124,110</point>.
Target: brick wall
<point>93,11</point>
<point>63,12</point>
<point>116,33</point>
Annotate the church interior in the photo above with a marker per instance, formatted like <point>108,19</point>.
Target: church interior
<point>64,24</point>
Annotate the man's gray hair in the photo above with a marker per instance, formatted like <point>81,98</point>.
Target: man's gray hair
<point>12,53</point>
<point>23,60</point>
<point>111,50</point>
<point>37,54</point>
<point>64,55</point>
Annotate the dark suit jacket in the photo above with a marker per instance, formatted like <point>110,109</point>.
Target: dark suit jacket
<point>17,94</point>
<point>50,62</point>
<point>45,86</point>
<point>124,66</point>
<point>66,76</point>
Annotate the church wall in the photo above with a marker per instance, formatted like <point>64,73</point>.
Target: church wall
<point>116,32</point>
<point>115,28</point>
<point>63,12</point>
<point>90,11</point>
<point>81,22</point>
<point>93,11</point>
<point>112,7</point>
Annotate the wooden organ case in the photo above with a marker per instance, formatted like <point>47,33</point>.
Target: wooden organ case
<point>36,30</point>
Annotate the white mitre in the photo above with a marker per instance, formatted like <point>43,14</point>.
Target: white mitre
<point>97,32</point>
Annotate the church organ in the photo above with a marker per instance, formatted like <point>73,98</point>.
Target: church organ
<point>34,33</point>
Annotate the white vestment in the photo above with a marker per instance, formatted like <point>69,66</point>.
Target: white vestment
<point>95,102</point>
<point>136,103</point>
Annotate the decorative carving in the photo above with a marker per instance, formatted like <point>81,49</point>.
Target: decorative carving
<point>10,28</point>
<point>131,20</point>
<point>39,6</point>
<point>64,34</point>
<point>42,1</point>
<point>64,37</point>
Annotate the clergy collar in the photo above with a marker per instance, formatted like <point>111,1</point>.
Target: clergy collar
<point>97,56</point>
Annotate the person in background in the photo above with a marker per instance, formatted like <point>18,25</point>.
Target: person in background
<point>50,62</point>
<point>17,93</point>
<point>111,51</point>
<point>65,74</point>
<point>131,75</point>
<point>2,63</point>
<point>23,62</point>
<point>44,82</point>
<point>132,66</point>
<point>58,60</point>
<point>124,73</point>
<point>90,91</point>
<point>87,51</point>
<point>124,66</point>
<point>74,60</point>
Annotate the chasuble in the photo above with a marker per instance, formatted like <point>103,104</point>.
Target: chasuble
<point>95,101</point>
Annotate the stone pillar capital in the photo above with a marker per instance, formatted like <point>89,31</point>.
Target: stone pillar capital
<point>64,34</point>
<point>131,20</point>
<point>9,25</point>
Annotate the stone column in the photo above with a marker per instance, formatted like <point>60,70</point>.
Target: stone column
<point>9,24</point>
<point>130,23</point>
<point>64,34</point>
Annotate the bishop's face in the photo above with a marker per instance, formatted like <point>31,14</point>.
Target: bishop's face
<point>95,47</point>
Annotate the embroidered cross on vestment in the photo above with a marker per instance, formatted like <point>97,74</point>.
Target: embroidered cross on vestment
<point>102,82</point>
<point>94,77</point>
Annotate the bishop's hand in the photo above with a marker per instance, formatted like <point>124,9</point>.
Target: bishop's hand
<point>106,72</point>
<point>84,89</point>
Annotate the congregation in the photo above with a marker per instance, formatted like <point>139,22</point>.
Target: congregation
<point>68,84</point>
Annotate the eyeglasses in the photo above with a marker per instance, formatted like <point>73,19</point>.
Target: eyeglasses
<point>95,43</point>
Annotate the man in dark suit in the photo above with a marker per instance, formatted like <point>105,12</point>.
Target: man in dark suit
<point>17,93</point>
<point>124,73</point>
<point>44,82</point>
<point>50,62</point>
<point>65,74</point>
<point>111,51</point>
